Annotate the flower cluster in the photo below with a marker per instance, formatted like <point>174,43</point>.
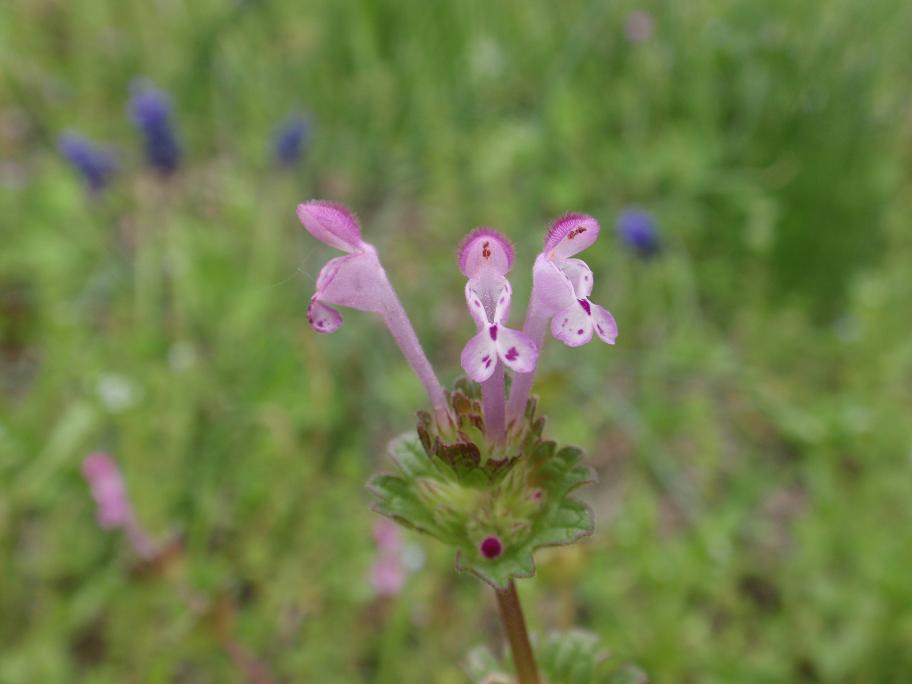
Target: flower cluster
<point>478,474</point>
<point>388,572</point>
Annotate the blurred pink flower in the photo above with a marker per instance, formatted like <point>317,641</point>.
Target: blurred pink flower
<point>106,483</point>
<point>387,576</point>
<point>639,26</point>
<point>388,536</point>
<point>113,509</point>
<point>388,573</point>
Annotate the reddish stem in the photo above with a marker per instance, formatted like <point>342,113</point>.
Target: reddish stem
<point>515,626</point>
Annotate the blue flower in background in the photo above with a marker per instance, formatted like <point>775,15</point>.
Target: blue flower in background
<point>637,229</point>
<point>95,164</point>
<point>150,110</point>
<point>290,140</point>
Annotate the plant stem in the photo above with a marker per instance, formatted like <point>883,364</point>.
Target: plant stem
<point>140,542</point>
<point>254,671</point>
<point>515,626</point>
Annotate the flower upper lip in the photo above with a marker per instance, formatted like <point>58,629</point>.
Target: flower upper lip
<point>332,224</point>
<point>485,248</point>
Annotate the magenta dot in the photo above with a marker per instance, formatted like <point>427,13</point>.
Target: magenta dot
<point>491,547</point>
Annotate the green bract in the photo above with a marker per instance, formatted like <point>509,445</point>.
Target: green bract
<point>456,487</point>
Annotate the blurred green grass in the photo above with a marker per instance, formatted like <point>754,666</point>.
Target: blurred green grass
<point>750,429</point>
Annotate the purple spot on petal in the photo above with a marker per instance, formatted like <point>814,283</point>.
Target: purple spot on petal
<point>486,360</point>
<point>492,331</point>
<point>491,547</point>
<point>512,354</point>
<point>579,332</point>
<point>585,304</point>
<point>478,303</point>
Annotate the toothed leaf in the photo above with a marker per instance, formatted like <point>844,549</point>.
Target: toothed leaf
<point>574,657</point>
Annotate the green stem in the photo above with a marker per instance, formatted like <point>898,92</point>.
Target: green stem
<point>515,626</point>
<point>394,634</point>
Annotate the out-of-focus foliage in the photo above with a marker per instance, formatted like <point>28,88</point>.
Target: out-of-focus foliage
<point>574,657</point>
<point>750,429</point>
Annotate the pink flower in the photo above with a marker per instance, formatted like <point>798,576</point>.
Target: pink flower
<point>113,508</point>
<point>388,573</point>
<point>387,536</point>
<point>561,285</point>
<point>358,281</point>
<point>387,576</point>
<point>486,257</point>
<point>639,26</point>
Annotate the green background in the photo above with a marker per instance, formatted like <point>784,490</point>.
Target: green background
<point>750,429</point>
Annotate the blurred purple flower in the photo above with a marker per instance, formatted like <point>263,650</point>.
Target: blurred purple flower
<point>639,26</point>
<point>150,110</point>
<point>388,573</point>
<point>95,164</point>
<point>290,140</point>
<point>637,229</point>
